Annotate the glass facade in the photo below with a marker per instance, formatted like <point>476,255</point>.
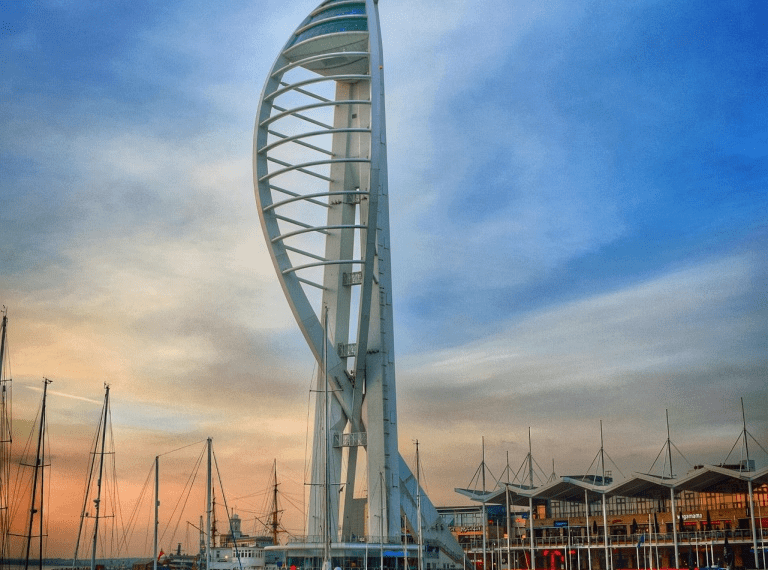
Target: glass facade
<point>334,19</point>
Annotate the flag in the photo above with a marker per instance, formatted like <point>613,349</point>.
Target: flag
<point>641,541</point>
<point>160,555</point>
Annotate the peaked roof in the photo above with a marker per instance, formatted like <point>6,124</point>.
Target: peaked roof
<point>708,478</point>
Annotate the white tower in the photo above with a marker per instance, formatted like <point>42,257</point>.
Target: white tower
<point>320,177</point>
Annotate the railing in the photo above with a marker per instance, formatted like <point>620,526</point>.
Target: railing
<point>347,539</point>
<point>740,536</point>
<point>432,546</point>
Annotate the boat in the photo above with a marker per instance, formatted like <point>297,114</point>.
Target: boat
<point>239,551</point>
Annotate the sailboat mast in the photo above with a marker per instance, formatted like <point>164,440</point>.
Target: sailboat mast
<point>157,507</point>
<point>274,506</point>
<point>418,508</point>
<point>104,420</point>
<point>2,341</point>
<point>208,509</point>
<point>381,549</point>
<point>37,475</point>
<point>327,510</point>
<point>6,438</point>
<point>213,530</point>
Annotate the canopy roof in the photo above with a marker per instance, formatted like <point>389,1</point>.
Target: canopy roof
<point>705,479</point>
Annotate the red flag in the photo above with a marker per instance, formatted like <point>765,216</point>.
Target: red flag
<point>159,555</point>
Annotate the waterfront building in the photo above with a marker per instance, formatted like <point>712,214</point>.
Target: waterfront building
<point>692,521</point>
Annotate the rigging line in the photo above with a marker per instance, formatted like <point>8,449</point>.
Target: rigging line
<point>306,447</point>
<point>681,454</point>
<point>117,506</point>
<point>25,459</point>
<point>541,473</point>
<point>23,484</point>
<point>21,488</point>
<point>424,482</point>
<point>266,498</point>
<point>88,483</point>
<point>226,507</point>
<point>285,476</point>
<point>589,469</point>
<point>617,467</point>
<point>178,521</point>
<point>478,474</point>
<point>757,442</point>
<point>727,457</point>
<point>291,502</point>
<point>133,519</point>
<point>106,534</point>
<point>148,527</point>
<point>657,458</point>
<point>256,494</point>
<point>522,466</point>
<point>188,489</point>
<point>365,482</point>
<point>475,477</point>
<point>180,448</point>
<point>46,520</point>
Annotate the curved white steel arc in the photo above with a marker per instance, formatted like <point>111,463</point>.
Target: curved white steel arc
<point>298,84</point>
<point>315,195</point>
<point>286,139</point>
<point>310,106</point>
<point>313,59</point>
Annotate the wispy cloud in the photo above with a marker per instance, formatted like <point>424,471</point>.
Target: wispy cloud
<point>578,229</point>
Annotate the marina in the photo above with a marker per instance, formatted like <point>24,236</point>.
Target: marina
<point>360,498</point>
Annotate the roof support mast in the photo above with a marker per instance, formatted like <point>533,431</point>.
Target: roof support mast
<point>749,486</point>
<point>605,513</point>
<point>672,497</point>
<point>530,501</point>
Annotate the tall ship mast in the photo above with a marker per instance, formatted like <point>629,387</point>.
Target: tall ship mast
<point>274,512</point>
<point>6,439</point>
<point>94,488</point>
<point>37,500</point>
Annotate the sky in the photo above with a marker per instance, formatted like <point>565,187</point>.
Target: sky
<point>578,208</point>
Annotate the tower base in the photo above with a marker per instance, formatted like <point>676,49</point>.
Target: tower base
<point>362,553</point>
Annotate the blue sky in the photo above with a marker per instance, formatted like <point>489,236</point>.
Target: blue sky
<point>578,209</point>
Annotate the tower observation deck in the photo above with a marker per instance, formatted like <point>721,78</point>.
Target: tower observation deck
<point>320,179</point>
